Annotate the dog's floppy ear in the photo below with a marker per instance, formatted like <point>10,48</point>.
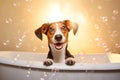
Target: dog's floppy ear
<point>71,25</point>
<point>42,29</point>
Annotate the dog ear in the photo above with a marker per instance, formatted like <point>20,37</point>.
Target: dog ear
<point>71,25</point>
<point>42,29</point>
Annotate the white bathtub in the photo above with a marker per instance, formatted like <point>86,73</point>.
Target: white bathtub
<point>29,66</point>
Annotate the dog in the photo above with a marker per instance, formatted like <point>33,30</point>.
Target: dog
<point>57,34</point>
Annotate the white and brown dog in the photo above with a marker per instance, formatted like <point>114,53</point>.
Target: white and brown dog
<point>57,34</point>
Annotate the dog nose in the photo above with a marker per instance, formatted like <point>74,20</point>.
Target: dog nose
<point>58,37</point>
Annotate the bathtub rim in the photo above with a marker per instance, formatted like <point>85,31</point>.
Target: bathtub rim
<point>59,66</point>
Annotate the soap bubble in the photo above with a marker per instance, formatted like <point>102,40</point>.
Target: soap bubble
<point>104,18</point>
<point>6,42</point>
<point>28,72</point>
<point>14,4</point>
<point>114,34</point>
<point>15,59</point>
<point>115,12</point>
<point>35,48</point>
<point>42,79</point>
<point>8,20</point>
<point>99,7</point>
<point>20,41</point>
<point>17,46</point>
<point>28,0</point>
<point>106,49</point>
<point>94,59</point>
<point>117,45</point>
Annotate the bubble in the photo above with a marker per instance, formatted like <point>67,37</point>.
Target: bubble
<point>17,46</point>
<point>27,75</point>
<point>18,55</point>
<point>6,42</point>
<point>94,59</point>
<point>20,43</point>
<point>106,49</point>
<point>105,46</point>
<point>114,34</point>
<point>104,18</point>
<point>8,20</point>
<point>28,0</point>
<point>98,39</point>
<point>54,72</point>
<point>29,63</point>
<point>14,4</point>
<point>99,7</point>
<point>28,72</point>
<point>42,79</point>
<point>15,59</point>
<point>117,45</point>
<point>115,12</point>
<point>45,74</point>
<point>23,36</point>
<point>20,39</point>
<point>34,48</point>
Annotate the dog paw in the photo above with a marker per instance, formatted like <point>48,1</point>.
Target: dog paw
<point>70,61</point>
<point>48,62</point>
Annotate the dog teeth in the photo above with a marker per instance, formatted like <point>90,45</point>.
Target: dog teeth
<point>58,46</point>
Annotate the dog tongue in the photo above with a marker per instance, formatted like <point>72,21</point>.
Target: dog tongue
<point>58,46</point>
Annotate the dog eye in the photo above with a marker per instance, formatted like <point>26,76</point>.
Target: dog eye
<point>51,29</point>
<point>63,28</point>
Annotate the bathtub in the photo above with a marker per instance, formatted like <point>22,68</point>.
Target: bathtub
<point>29,66</point>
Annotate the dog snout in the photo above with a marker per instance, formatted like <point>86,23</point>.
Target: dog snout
<point>58,37</point>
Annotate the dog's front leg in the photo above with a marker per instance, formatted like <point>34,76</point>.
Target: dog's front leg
<point>69,58</point>
<point>70,61</point>
<point>49,60</point>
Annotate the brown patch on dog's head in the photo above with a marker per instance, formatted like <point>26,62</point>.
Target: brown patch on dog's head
<point>52,30</point>
<point>42,29</point>
<point>71,25</point>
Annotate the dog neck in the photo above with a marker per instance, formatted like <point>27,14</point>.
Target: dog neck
<point>58,55</point>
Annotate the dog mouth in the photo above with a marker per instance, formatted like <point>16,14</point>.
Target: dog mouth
<point>58,46</point>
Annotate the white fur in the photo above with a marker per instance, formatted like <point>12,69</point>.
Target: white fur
<point>58,31</point>
<point>59,55</point>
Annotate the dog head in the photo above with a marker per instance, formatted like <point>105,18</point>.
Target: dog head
<point>57,32</point>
